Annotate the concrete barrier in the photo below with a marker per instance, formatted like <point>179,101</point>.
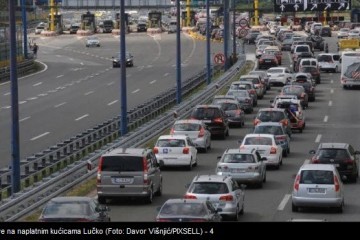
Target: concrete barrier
<point>188,29</point>
<point>48,33</point>
<point>117,31</point>
<point>84,32</point>
<point>153,31</point>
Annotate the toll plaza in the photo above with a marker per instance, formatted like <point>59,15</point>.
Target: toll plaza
<point>88,22</point>
<point>191,22</point>
<point>117,21</point>
<point>58,22</point>
<point>154,19</point>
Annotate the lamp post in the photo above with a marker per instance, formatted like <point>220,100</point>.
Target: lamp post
<point>123,93</point>
<point>178,54</point>
<point>208,49</point>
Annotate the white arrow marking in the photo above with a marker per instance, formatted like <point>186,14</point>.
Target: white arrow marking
<point>328,6</point>
<point>282,7</point>
<point>296,7</point>
<point>341,6</point>
<point>314,6</point>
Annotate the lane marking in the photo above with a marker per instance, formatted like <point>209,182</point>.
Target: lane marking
<point>135,91</point>
<point>166,74</point>
<point>284,202</point>
<point>330,103</point>
<point>83,116</point>
<point>39,136</point>
<point>113,102</point>
<point>153,81</point>
<point>318,138</point>
<point>5,94</point>
<point>110,83</point>
<point>58,105</point>
<point>331,90</point>
<point>326,118</point>
<point>88,93</point>
<point>23,119</point>
<point>332,81</point>
<point>37,84</point>
<point>22,102</point>
<point>59,76</point>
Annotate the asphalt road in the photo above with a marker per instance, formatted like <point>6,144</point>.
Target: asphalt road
<point>334,116</point>
<point>80,89</point>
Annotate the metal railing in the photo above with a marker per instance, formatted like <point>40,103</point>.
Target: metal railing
<point>22,68</point>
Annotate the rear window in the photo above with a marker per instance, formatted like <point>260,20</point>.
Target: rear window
<point>270,116</point>
<point>258,141</point>
<point>122,163</point>
<point>302,49</point>
<point>203,113</point>
<point>187,127</point>
<point>183,209</point>
<point>275,130</point>
<point>316,177</point>
<point>324,58</point>
<point>171,143</point>
<point>209,188</point>
<point>336,154</point>
<point>229,106</point>
<point>238,158</point>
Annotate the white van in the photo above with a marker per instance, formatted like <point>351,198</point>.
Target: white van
<point>308,62</point>
<point>329,62</point>
<point>315,27</point>
<point>172,26</point>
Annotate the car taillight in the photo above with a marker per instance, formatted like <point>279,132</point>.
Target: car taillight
<point>145,170</point>
<point>156,150</point>
<point>186,150</point>
<point>162,220</point>
<point>172,130</point>
<point>348,161</point>
<point>337,184</point>
<point>98,178</point>
<point>282,137</point>
<point>297,182</point>
<point>201,132</point>
<point>315,160</point>
<point>261,60</point>
<point>189,196</point>
<point>284,122</point>
<point>273,150</point>
<point>226,198</point>
<point>252,91</point>
<point>218,120</point>
<point>256,122</point>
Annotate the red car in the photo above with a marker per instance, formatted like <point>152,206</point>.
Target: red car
<point>267,61</point>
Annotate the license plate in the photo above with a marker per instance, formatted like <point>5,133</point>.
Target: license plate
<point>206,121</point>
<point>267,60</point>
<point>316,190</point>
<point>122,180</point>
<point>236,170</point>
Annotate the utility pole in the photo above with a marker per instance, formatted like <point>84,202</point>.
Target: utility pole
<point>52,16</point>
<point>188,13</point>
<point>256,12</point>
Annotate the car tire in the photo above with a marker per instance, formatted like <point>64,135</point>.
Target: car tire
<point>340,209</point>
<point>260,184</point>
<point>242,209</point>
<point>294,208</point>
<point>102,200</point>
<point>264,179</point>
<point>149,198</point>
<point>204,150</point>
<point>190,166</point>
<point>159,190</point>
<point>285,153</point>
<point>336,69</point>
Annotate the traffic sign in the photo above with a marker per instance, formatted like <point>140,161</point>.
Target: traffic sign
<point>243,23</point>
<point>243,32</point>
<point>311,5</point>
<point>219,58</point>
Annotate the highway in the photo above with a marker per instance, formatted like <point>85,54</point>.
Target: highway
<point>79,88</point>
<point>334,116</point>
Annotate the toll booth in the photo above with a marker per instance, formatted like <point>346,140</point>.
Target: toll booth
<point>184,18</point>
<point>154,19</point>
<point>117,21</point>
<point>88,22</point>
<point>58,22</point>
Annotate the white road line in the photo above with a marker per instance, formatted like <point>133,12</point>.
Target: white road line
<point>113,102</point>
<point>332,81</point>
<point>37,84</point>
<point>31,98</point>
<point>128,75</point>
<point>22,102</point>
<point>23,119</point>
<point>83,116</point>
<point>166,74</point>
<point>318,138</point>
<point>330,103</point>
<point>5,94</point>
<point>81,63</point>
<point>58,105</point>
<point>284,202</point>
<point>326,118</point>
<point>331,90</point>
<point>39,136</point>
<point>88,93</point>
<point>110,83</point>
<point>153,81</point>
<point>59,76</point>
<point>6,107</point>
<point>135,91</point>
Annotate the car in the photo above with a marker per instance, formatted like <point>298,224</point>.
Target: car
<point>354,33</point>
<point>294,112</point>
<point>266,145</point>
<point>243,165</point>
<point>129,172</point>
<point>222,191</point>
<point>188,210</point>
<point>279,75</point>
<point>286,44</point>
<point>39,29</point>
<point>281,135</point>
<point>251,36</point>
<point>264,78</point>
<point>196,130</point>
<point>342,155</point>
<point>308,86</point>
<point>278,97</point>
<point>298,91</point>
<point>301,49</point>
<point>267,61</point>
<point>314,71</point>
<point>74,28</point>
<point>259,50</point>
<point>343,33</point>
<point>318,42</point>
<point>176,150</point>
<point>325,32</point>
<point>129,60</point>
<point>329,62</point>
<point>234,112</point>
<point>317,185</point>
<point>220,98</point>
<point>74,209</point>
<point>92,41</point>
<point>141,27</point>
<point>213,117</point>
<point>243,98</point>
<point>275,51</point>
<point>256,80</point>
<point>245,85</point>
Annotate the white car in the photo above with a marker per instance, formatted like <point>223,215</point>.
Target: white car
<point>354,33</point>
<point>295,106</point>
<point>280,97</point>
<point>196,130</point>
<point>343,32</point>
<point>329,62</point>
<point>39,29</point>
<point>176,150</point>
<point>266,145</point>
<point>92,41</point>
<point>279,75</point>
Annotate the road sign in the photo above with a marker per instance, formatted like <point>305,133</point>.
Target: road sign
<point>219,58</point>
<point>243,32</point>
<point>311,5</point>
<point>243,23</point>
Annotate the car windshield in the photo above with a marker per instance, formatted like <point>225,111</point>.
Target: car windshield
<point>258,141</point>
<point>229,106</point>
<point>202,113</point>
<point>275,130</point>
<point>66,209</point>
<point>238,158</point>
<point>209,188</point>
<point>317,177</point>
<point>238,93</point>
<point>302,49</point>
<point>336,154</point>
<point>170,143</point>
<point>187,127</point>
<point>239,86</point>
<point>270,116</point>
<point>183,209</point>
<point>293,90</point>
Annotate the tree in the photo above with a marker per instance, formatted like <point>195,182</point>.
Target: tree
<point>3,4</point>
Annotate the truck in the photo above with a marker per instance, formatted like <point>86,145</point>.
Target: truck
<point>107,26</point>
<point>350,69</point>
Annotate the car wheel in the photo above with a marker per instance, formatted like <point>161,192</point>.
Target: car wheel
<point>149,198</point>
<point>264,179</point>
<point>294,208</point>
<point>285,153</point>
<point>204,150</point>
<point>190,165</point>
<point>242,209</point>
<point>260,184</point>
<point>227,132</point>
<point>102,200</point>
<point>336,69</point>
<point>340,208</point>
<point>237,214</point>
<point>159,191</point>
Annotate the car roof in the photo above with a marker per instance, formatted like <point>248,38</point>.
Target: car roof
<point>317,166</point>
<point>211,178</point>
<point>207,106</point>
<point>239,150</point>
<point>71,198</point>
<point>195,121</point>
<point>172,137</point>
<point>249,76</point>
<point>334,145</point>
<point>183,200</point>
<point>270,124</point>
<point>272,109</point>
<point>259,135</point>
<point>127,151</point>
<point>228,101</point>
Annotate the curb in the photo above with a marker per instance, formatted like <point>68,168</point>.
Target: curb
<point>48,33</point>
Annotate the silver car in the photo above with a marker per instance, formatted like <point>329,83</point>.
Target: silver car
<point>243,166</point>
<point>244,99</point>
<point>92,41</point>
<point>196,130</point>
<point>318,185</point>
<point>222,191</point>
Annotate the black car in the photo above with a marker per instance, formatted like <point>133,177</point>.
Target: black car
<point>142,27</point>
<point>129,60</point>
<point>318,42</point>
<point>342,155</point>
<point>325,32</point>
<point>214,118</point>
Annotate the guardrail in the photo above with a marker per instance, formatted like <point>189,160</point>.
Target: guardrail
<point>59,182</point>
<point>22,68</point>
<point>43,164</point>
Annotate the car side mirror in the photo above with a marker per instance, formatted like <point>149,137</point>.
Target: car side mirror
<point>312,151</point>
<point>240,141</point>
<point>102,208</point>
<point>264,159</point>
<point>218,157</point>
<point>357,152</point>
